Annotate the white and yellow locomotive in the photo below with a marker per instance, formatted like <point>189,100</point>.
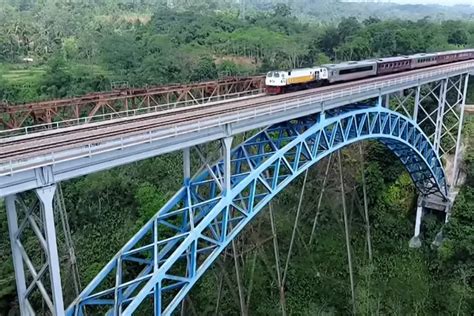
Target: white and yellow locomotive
<point>284,81</point>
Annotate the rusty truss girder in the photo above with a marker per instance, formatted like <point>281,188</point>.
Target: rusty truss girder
<point>124,102</point>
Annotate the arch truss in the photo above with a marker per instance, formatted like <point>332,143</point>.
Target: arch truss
<point>162,262</point>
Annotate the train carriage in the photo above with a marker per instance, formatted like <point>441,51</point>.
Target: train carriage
<point>447,57</point>
<point>393,64</point>
<point>423,60</point>
<point>351,70</point>
<point>297,79</point>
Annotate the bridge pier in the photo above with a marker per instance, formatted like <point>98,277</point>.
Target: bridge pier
<point>13,229</point>
<point>442,123</point>
<point>415,241</point>
<point>38,219</point>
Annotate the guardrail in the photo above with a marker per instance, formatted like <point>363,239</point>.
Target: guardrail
<point>123,142</point>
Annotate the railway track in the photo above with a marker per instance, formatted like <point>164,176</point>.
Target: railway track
<point>65,138</point>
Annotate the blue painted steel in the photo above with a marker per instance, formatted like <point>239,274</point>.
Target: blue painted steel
<point>162,262</point>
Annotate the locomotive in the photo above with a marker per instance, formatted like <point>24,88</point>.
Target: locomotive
<point>278,82</point>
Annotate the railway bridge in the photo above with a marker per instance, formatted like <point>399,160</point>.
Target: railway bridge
<point>266,142</point>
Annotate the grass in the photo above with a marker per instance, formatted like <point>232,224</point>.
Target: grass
<point>21,73</point>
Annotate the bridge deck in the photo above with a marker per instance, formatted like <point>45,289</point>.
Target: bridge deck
<point>88,148</point>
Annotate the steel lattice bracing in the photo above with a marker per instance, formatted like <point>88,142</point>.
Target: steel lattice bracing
<point>36,268</point>
<point>437,108</point>
<point>162,262</point>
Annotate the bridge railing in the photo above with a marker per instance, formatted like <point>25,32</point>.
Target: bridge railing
<point>126,113</point>
<point>215,100</point>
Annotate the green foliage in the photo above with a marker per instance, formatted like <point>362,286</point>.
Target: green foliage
<point>80,47</point>
<point>149,200</point>
<point>205,70</point>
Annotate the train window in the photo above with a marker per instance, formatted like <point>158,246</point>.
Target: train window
<point>289,73</point>
<point>355,70</point>
<point>269,74</point>
<point>277,75</point>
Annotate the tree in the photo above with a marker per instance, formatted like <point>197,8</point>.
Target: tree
<point>348,27</point>
<point>206,69</point>
<point>282,10</point>
<point>458,37</point>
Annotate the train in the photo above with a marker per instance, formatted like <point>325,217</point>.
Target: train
<point>278,82</point>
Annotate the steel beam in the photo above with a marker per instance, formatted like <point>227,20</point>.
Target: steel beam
<point>46,195</point>
<point>186,164</point>
<point>226,147</point>
<point>16,254</point>
<point>459,132</point>
<point>347,233</point>
<point>440,116</point>
<point>417,103</point>
<point>415,242</point>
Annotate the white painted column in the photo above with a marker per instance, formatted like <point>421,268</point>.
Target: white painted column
<point>46,195</point>
<point>417,103</point>
<point>415,242</point>
<point>440,116</point>
<point>227,145</point>
<point>459,136</point>
<point>186,164</point>
<point>16,253</point>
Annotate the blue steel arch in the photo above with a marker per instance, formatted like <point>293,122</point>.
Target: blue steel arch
<point>169,254</point>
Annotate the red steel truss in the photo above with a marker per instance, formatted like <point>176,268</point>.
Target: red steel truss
<point>121,100</point>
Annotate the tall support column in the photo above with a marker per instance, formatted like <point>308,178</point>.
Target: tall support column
<point>415,242</point>
<point>16,253</point>
<point>46,195</point>
<point>227,145</point>
<point>276,252</point>
<point>366,204</point>
<point>186,164</point>
<point>440,116</point>
<point>243,307</point>
<point>295,226</point>
<point>417,103</point>
<point>459,135</point>
<point>346,229</point>
<point>321,194</point>
<point>387,101</point>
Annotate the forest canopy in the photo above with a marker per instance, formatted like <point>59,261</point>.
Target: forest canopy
<point>51,49</point>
